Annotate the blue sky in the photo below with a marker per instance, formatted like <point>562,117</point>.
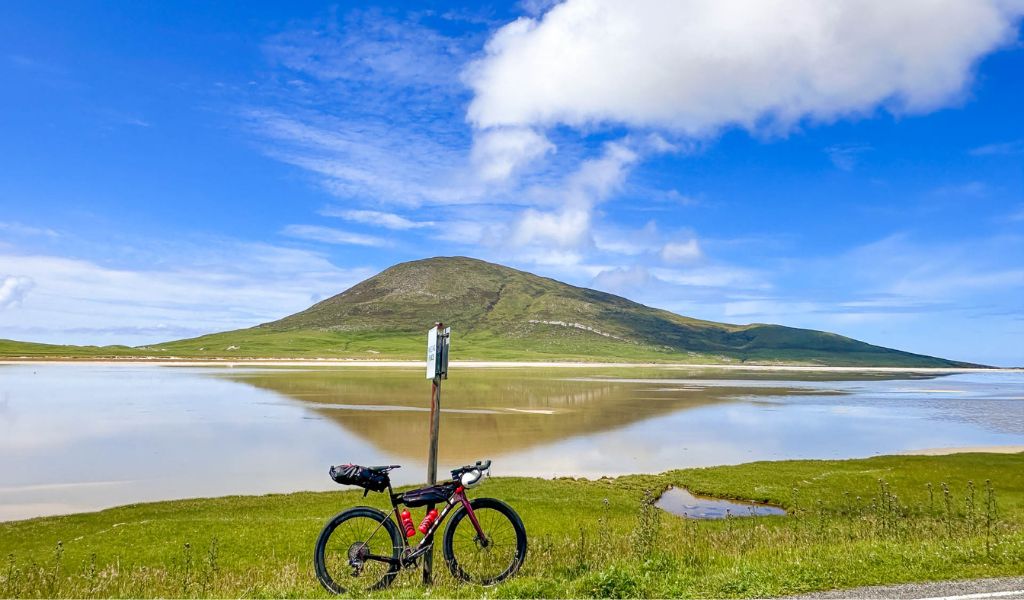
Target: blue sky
<point>180,168</point>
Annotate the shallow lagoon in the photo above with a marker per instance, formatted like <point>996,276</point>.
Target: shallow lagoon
<point>83,437</point>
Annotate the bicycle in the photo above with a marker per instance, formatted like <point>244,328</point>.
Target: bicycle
<point>352,551</point>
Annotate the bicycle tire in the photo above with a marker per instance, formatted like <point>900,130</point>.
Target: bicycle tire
<point>320,555</point>
<point>483,506</point>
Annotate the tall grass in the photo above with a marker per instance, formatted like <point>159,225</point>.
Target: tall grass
<point>601,538</point>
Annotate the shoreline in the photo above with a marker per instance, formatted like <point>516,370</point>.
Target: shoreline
<point>996,449</point>
<point>926,452</point>
<point>482,364</point>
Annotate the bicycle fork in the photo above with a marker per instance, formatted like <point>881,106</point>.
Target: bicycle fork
<point>480,536</point>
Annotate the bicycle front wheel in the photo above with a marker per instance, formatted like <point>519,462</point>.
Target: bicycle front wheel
<point>495,556</point>
<point>358,551</point>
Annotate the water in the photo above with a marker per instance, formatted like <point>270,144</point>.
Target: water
<point>682,503</point>
<point>84,437</point>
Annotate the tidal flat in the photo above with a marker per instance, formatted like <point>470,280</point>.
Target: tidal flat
<point>80,437</point>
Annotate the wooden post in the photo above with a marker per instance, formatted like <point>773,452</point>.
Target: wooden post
<point>435,424</point>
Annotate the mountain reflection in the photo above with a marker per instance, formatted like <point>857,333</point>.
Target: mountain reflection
<point>488,412</point>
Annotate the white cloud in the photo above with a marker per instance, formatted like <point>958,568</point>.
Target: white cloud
<point>500,152</point>
<point>897,273</point>
<point>368,157</point>
<point>13,290</point>
<point>26,230</point>
<point>329,235</point>
<point>846,156</point>
<point>775,308</point>
<point>378,218</point>
<point>564,228</point>
<point>719,276</point>
<point>681,252</point>
<point>695,67</point>
<point>930,284</point>
<point>468,232</point>
<point>623,280</point>
<point>369,47</point>
<point>971,189</point>
<point>569,226</point>
<point>216,286</point>
<point>629,242</point>
<point>999,149</point>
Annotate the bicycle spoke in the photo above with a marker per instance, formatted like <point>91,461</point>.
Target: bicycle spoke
<point>346,556</point>
<point>488,559</point>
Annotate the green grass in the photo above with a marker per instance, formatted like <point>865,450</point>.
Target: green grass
<point>855,522</point>
<point>16,349</point>
<point>552,345</point>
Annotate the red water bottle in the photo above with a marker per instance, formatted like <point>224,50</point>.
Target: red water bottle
<point>428,521</point>
<point>407,524</point>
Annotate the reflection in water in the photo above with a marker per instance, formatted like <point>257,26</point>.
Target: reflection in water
<point>681,502</point>
<point>78,437</point>
<point>486,413</point>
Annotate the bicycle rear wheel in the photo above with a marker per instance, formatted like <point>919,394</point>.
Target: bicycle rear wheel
<point>494,558</point>
<point>354,549</point>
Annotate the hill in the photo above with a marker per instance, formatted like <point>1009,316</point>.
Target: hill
<point>500,313</point>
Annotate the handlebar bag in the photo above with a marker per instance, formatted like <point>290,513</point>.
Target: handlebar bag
<point>434,494</point>
<point>361,476</point>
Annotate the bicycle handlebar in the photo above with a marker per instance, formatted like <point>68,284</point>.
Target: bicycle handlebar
<point>481,465</point>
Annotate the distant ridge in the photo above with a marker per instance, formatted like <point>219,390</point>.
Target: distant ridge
<point>497,313</point>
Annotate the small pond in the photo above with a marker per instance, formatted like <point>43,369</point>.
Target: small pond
<point>680,502</point>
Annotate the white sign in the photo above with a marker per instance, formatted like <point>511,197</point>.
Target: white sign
<point>438,343</point>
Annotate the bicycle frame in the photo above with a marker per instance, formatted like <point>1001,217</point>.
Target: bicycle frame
<point>410,554</point>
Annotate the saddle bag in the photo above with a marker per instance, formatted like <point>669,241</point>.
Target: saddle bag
<point>434,494</point>
<point>367,479</point>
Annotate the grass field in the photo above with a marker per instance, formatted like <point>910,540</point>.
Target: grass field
<point>856,522</point>
<point>556,345</point>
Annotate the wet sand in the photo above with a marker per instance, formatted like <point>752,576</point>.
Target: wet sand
<point>965,449</point>
<point>483,364</point>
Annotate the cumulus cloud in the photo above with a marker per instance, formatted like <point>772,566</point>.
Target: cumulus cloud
<point>13,290</point>
<point>376,217</point>
<point>498,153</point>
<point>681,252</point>
<point>569,226</point>
<point>563,228</point>
<point>698,66</point>
<point>694,68</point>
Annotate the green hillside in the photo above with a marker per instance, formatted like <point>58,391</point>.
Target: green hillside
<point>497,313</point>
<point>16,349</point>
<point>501,313</point>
